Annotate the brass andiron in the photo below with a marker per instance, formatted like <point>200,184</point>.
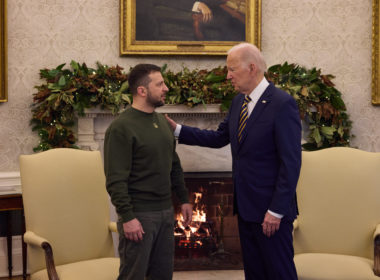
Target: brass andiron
<point>221,253</point>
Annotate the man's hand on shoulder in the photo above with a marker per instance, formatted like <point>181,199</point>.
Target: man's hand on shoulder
<point>133,230</point>
<point>172,123</point>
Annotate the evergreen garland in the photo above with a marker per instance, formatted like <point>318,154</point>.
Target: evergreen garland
<point>65,94</point>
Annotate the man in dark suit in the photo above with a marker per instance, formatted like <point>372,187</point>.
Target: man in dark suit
<point>264,131</point>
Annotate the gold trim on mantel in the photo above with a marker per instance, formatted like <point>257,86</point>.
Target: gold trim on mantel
<point>130,46</point>
<point>375,53</point>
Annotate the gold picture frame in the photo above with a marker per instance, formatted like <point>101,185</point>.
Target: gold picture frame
<point>3,51</point>
<point>375,53</point>
<point>138,27</point>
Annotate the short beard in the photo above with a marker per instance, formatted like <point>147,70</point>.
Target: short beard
<point>154,103</point>
<point>157,104</point>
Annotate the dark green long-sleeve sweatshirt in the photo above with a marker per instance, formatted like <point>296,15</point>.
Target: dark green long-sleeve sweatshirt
<point>141,165</point>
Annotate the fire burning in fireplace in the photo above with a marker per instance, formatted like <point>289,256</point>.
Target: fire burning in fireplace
<point>211,240</point>
<point>197,239</point>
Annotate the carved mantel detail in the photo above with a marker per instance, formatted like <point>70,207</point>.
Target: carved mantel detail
<point>93,125</point>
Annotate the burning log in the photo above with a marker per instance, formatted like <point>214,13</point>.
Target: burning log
<point>196,240</point>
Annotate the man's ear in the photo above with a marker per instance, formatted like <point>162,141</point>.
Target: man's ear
<point>141,90</point>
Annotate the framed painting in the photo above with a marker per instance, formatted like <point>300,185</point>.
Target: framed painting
<point>187,27</point>
<point>375,53</point>
<point>3,51</point>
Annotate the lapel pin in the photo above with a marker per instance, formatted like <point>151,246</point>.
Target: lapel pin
<point>264,101</point>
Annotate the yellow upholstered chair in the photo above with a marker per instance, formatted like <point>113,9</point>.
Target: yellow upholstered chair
<point>339,222</point>
<point>67,212</point>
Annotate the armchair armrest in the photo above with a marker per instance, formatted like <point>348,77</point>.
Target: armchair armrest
<point>376,257</point>
<point>33,239</point>
<point>295,224</point>
<point>377,232</point>
<point>112,226</point>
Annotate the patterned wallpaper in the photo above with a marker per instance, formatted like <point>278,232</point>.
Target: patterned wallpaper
<point>332,35</point>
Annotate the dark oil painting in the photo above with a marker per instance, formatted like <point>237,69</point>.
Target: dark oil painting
<point>188,20</point>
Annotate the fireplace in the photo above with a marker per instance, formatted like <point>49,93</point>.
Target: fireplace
<point>220,247</point>
<point>211,241</point>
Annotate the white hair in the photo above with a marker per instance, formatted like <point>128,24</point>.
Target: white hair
<point>248,54</point>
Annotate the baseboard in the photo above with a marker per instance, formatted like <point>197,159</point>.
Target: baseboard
<point>16,256</point>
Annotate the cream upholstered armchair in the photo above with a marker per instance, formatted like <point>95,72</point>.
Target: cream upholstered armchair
<point>338,229</point>
<point>67,212</point>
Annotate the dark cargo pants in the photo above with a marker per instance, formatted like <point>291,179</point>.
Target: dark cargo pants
<point>153,256</point>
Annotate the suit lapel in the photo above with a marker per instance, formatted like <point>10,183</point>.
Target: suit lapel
<point>260,106</point>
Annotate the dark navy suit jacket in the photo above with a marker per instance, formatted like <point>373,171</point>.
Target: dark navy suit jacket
<point>267,162</point>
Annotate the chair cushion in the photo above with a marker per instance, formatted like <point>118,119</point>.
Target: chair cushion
<point>316,266</point>
<point>97,269</point>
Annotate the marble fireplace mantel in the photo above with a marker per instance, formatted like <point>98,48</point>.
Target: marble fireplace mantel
<point>93,125</point>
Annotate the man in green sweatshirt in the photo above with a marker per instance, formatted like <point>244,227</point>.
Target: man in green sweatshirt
<point>142,170</point>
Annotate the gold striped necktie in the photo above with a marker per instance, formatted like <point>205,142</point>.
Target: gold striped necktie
<point>243,117</point>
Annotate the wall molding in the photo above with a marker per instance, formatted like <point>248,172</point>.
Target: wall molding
<point>10,182</point>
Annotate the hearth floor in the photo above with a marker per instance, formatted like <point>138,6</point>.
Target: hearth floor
<point>209,275</point>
